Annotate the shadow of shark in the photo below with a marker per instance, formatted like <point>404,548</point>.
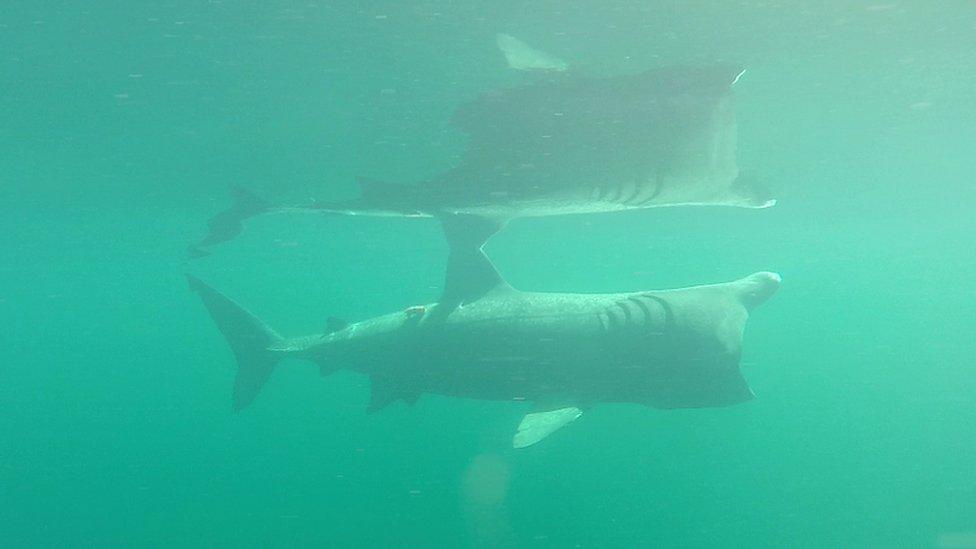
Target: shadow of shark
<point>485,340</point>
<point>567,144</point>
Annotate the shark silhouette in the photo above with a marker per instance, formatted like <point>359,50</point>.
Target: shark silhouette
<point>485,340</point>
<point>566,144</point>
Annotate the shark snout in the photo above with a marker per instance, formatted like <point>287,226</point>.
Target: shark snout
<point>756,288</point>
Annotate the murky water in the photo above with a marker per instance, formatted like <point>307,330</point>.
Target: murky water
<point>125,125</point>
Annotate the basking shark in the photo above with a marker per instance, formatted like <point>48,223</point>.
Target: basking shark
<point>485,340</point>
<point>567,144</point>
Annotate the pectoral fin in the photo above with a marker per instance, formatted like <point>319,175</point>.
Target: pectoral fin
<point>538,425</point>
<point>520,56</point>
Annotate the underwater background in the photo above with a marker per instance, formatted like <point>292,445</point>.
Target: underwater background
<point>125,124</point>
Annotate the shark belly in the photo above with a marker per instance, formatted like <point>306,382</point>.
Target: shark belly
<point>665,349</point>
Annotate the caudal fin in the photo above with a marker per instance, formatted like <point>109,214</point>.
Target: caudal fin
<point>229,223</point>
<point>249,338</point>
<point>377,198</point>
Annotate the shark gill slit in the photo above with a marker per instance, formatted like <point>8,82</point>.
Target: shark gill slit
<point>613,320</point>
<point>643,307</point>
<point>633,195</point>
<point>654,194</point>
<point>626,310</point>
<point>668,313</point>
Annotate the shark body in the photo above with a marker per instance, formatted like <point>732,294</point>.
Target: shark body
<point>567,144</point>
<point>562,145</point>
<point>485,340</point>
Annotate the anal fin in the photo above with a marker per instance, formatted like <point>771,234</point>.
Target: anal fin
<point>536,426</point>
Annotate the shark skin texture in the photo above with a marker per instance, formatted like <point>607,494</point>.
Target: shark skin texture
<point>564,352</point>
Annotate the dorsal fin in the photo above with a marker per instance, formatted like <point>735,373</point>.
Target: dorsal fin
<point>470,274</point>
<point>333,324</point>
<point>229,223</point>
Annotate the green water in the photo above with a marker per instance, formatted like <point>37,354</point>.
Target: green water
<point>124,124</point>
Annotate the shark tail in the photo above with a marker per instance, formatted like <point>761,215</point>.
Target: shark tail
<point>377,198</point>
<point>250,339</point>
<point>229,223</point>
